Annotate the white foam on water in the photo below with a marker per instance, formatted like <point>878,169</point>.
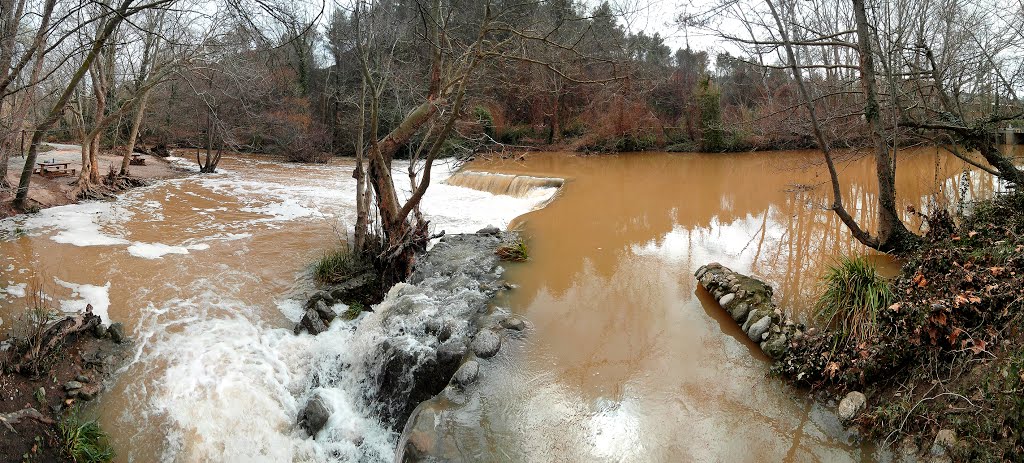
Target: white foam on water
<point>212,376</point>
<point>79,224</point>
<point>159,250</point>
<point>97,296</point>
<point>16,290</point>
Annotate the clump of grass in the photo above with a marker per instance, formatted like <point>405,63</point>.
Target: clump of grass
<point>513,252</point>
<point>852,295</point>
<point>339,265</point>
<point>83,441</point>
<point>353,311</point>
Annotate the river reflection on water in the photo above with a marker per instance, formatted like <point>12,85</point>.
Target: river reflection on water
<point>630,360</point>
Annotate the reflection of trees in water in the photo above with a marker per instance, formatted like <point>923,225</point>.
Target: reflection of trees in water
<point>694,208</point>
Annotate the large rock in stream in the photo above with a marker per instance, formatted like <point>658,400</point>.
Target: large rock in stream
<point>748,301</point>
<point>414,341</point>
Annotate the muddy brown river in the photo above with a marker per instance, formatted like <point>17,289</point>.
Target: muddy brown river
<point>627,360</point>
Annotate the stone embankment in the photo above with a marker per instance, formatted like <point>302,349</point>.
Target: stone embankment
<point>430,339</point>
<point>749,302</point>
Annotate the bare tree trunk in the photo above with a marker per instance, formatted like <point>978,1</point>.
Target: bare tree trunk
<point>893,235</point>
<point>21,199</point>
<point>894,242</point>
<point>359,174</point>
<point>133,135</point>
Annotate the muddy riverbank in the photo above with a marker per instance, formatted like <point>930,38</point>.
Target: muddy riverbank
<point>39,399</point>
<point>58,191</point>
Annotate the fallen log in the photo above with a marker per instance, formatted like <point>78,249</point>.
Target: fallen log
<point>13,418</point>
<point>54,336</point>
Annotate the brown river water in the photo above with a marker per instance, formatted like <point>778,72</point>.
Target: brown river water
<point>628,360</point>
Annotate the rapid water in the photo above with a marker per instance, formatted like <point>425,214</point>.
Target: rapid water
<point>208,274</point>
<point>627,359</point>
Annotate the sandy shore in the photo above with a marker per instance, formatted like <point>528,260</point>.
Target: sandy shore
<point>49,192</point>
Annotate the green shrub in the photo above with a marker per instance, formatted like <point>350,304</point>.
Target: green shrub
<point>514,134</point>
<point>852,295</point>
<point>513,252</point>
<point>339,265</point>
<point>84,441</point>
<point>575,129</point>
<point>485,119</point>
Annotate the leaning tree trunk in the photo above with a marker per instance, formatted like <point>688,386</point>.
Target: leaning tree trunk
<point>892,235</point>
<point>134,134</point>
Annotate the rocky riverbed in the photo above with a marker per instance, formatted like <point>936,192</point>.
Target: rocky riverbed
<point>427,340</point>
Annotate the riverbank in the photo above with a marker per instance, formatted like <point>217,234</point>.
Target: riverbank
<point>41,401</point>
<point>941,365</point>
<point>58,191</point>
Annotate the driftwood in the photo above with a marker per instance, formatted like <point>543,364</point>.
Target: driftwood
<point>11,419</point>
<point>54,336</point>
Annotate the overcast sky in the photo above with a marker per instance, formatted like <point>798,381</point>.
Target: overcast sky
<point>659,16</point>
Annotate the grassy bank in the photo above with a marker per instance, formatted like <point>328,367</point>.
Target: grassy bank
<point>945,353</point>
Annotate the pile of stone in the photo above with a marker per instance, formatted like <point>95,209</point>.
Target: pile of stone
<point>749,302</point>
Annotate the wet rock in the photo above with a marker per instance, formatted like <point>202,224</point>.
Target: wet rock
<point>488,230</point>
<point>116,332</point>
<point>82,378</point>
<point>486,344</point>
<point>326,313</point>
<point>314,415</point>
<point>759,328</point>
<point>100,331</point>
<point>362,289</point>
<point>944,440</point>
<point>319,296</point>
<point>85,395</point>
<point>311,323</point>
<point>449,354</point>
<point>467,373</point>
<point>748,301</point>
<point>514,324</point>
<point>72,385</point>
<point>851,405</point>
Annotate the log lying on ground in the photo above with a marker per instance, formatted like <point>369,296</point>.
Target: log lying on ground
<point>11,419</point>
<point>54,336</point>
<point>749,302</point>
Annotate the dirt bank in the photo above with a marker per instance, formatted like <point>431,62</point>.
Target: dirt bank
<point>50,192</point>
<point>35,402</point>
<point>943,370</point>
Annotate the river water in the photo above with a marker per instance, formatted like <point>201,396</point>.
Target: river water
<point>627,361</point>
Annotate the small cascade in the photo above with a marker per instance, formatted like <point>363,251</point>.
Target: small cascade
<point>519,186</point>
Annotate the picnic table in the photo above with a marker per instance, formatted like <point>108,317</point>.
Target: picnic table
<point>54,169</point>
<point>137,160</point>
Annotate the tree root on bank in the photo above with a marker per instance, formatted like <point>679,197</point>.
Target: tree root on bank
<point>54,336</point>
<point>13,418</point>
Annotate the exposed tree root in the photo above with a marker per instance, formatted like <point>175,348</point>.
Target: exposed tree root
<point>28,358</point>
<point>13,418</point>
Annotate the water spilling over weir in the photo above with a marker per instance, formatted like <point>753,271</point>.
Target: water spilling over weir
<point>519,186</point>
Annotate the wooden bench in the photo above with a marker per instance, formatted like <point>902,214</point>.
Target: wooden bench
<point>137,160</point>
<point>54,169</point>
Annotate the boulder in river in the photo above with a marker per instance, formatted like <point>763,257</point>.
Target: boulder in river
<point>851,405</point>
<point>116,332</point>
<point>486,343</point>
<point>314,415</point>
<point>311,323</point>
<point>467,373</point>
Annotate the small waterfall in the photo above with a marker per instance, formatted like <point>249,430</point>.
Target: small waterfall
<point>519,186</point>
